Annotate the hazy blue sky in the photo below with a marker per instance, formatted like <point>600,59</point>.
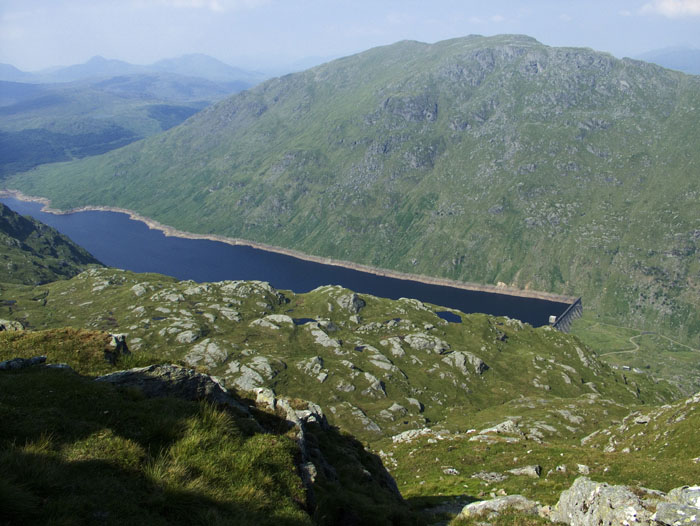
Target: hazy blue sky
<point>264,33</point>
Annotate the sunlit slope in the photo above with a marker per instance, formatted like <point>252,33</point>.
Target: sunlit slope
<point>480,159</point>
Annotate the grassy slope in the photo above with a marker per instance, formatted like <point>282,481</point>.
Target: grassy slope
<point>88,452</point>
<point>32,253</point>
<point>560,416</point>
<point>483,159</point>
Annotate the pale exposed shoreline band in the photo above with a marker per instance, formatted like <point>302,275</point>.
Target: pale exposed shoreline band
<point>173,232</point>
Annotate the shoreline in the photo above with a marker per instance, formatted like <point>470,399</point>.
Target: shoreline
<point>173,232</point>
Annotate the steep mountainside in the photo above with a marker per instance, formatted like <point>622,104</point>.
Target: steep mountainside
<point>33,253</point>
<point>482,159</point>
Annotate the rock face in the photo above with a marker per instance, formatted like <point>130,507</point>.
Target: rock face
<point>173,381</point>
<point>589,503</point>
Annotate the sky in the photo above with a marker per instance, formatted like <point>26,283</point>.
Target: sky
<point>268,34</point>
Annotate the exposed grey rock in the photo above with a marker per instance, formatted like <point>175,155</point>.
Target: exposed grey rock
<point>21,363</point>
<point>366,422</point>
<point>206,352</point>
<point>489,476</point>
<point>397,408</point>
<point>460,359</point>
<point>187,337</point>
<point>375,385</point>
<point>251,374</point>
<point>686,495</point>
<point>139,289</point>
<point>265,397</point>
<point>173,381</point>
<point>415,402</point>
<point>344,386</point>
<point>424,342</point>
<point>10,325</point>
<point>323,339</point>
<point>509,427</point>
<point>313,366</point>
<point>201,288</point>
<point>488,508</point>
<point>351,302</point>
<point>527,471</point>
<point>673,514</point>
<point>395,348</point>
<point>589,503</point>
<point>411,435</point>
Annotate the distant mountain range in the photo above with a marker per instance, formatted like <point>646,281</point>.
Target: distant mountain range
<point>682,59</point>
<point>88,109</point>
<point>195,65</point>
<point>44,123</point>
<point>484,159</point>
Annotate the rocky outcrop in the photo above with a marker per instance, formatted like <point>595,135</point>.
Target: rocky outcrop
<point>589,503</point>
<point>424,342</point>
<point>208,353</point>
<point>462,359</point>
<point>157,381</point>
<point>351,302</point>
<point>10,325</point>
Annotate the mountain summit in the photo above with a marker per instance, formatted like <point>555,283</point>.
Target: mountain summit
<point>481,158</point>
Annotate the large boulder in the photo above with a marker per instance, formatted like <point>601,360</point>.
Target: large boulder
<point>589,503</point>
<point>351,302</point>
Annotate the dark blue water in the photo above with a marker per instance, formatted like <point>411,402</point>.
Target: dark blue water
<point>449,316</point>
<point>118,241</point>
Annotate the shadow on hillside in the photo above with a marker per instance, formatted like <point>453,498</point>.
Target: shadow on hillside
<point>437,507</point>
<point>72,449</point>
<point>52,411</point>
<point>41,488</point>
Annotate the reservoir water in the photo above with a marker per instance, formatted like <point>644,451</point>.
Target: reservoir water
<point>118,241</point>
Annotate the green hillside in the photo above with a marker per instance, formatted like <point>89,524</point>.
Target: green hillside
<point>33,253</point>
<point>479,159</point>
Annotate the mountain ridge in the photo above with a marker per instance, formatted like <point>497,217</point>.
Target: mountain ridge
<point>190,65</point>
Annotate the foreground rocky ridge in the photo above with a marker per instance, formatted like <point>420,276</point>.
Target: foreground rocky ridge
<point>342,482</point>
<point>379,366</point>
<point>327,483</point>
